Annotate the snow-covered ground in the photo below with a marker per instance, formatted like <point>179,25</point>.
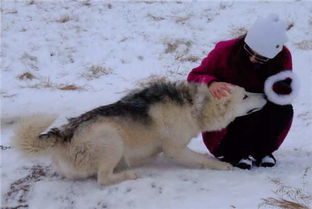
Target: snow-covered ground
<point>60,56</point>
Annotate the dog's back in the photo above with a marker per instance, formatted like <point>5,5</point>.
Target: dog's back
<point>135,106</point>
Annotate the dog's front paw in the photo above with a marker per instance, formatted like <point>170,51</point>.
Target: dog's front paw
<point>131,175</point>
<point>226,166</point>
<point>218,165</point>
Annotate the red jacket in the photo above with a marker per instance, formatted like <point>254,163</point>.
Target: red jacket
<point>216,67</point>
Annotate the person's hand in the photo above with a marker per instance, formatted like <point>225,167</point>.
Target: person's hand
<point>220,89</point>
<point>283,87</point>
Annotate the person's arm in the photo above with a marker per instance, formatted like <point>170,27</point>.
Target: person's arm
<point>283,87</point>
<point>207,71</point>
<point>287,64</point>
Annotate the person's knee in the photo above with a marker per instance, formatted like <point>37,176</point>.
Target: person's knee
<point>281,112</point>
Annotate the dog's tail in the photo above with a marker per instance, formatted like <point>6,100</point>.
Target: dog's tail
<point>26,136</point>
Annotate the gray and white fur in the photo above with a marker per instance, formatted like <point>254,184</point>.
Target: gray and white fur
<point>162,117</point>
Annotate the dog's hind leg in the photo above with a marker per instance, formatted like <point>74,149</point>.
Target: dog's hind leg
<point>187,157</point>
<point>107,173</point>
<point>107,177</point>
<point>110,158</point>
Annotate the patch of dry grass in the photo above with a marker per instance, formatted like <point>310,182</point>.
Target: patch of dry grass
<point>305,173</point>
<point>149,2</point>
<point>30,61</point>
<point>18,193</point>
<point>124,39</point>
<point>86,3</point>
<point>282,203</point>
<point>69,87</point>
<point>225,5</point>
<point>288,197</point>
<point>42,85</point>
<point>181,20</point>
<point>11,12</point>
<point>49,85</point>
<point>155,18</point>
<point>190,59</point>
<point>26,76</point>
<point>304,45</point>
<point>95,72</point>
<point>6,95</point>
<point>180,48</point>
<point>293,193</point>
<point>290,25</point>
<point>64,19</point>
<point>173,46</point>
<point>27,56</point>
<point>31,2</point>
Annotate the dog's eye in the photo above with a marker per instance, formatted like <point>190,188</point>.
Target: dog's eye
<point>245,97</point>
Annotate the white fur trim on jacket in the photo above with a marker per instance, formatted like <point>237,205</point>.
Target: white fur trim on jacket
<point>279,98</point>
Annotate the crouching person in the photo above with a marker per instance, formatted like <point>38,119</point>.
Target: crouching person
<point>259,62</point>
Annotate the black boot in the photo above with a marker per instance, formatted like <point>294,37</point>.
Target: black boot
<point>245,163</point>
<point>266,161</point>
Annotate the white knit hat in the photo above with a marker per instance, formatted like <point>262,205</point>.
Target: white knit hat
<point>267,36</point>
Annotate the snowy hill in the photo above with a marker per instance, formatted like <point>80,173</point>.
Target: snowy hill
<point>63,56</point>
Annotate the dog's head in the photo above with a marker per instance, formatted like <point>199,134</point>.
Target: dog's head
<point>219,113</point>
<point>244,102</point>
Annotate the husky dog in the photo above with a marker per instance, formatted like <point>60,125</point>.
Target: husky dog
<point>162,117</point>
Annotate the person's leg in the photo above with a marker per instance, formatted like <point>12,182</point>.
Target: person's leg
<point>237,144</point>
<point>278,120</point>
<point>258,134</point>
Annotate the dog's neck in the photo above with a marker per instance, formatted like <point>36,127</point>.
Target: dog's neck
<point>208,112</point>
